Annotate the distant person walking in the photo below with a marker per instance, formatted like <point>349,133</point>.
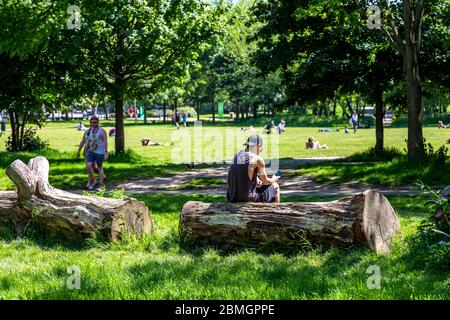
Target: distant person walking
<point>185,118</point>
<point>176,119</point>
<point>3,123</point>
<point>95,143</point>
<point>354,121</point>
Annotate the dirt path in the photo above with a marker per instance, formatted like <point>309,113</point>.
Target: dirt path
<point>297,185</point>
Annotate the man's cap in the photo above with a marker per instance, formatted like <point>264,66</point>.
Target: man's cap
<point>253,140</point>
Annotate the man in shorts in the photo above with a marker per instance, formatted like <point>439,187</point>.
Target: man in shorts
<point>95,143</point>
<point>247,177</point>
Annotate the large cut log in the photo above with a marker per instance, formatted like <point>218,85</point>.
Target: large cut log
<point>364,218</point>
<point>64,213</point>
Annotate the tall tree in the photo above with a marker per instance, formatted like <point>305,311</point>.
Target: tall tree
<point>324,49</point>
<point>405,32</point>
<point>127,43</point>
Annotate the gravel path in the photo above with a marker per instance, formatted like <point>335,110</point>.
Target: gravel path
<point>297,185</point>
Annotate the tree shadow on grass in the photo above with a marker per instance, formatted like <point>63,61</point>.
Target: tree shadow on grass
<point>336,272</point>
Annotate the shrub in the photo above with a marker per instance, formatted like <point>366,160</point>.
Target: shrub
<point>432,157</point>
<point>30,142</point>
<point>432,243</point>
<point>370,155</point>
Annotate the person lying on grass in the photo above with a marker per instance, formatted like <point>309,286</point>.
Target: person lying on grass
<point>328,130</point>
<point>247,128</point>
<point>281,127</point>
<point>442,125</point>
<point>314,144</point>
<point>148,142</point>
<point>247,178</point>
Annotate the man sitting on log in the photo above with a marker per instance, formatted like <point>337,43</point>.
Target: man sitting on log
<point>247,177</point>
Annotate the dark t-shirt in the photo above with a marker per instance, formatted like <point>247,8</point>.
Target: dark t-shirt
<point>239,187</point>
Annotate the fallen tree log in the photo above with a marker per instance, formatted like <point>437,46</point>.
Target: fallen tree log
<point>59,212</point>
<point>364,218</point>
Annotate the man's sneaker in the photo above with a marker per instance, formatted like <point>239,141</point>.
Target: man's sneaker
<point>92,185</point>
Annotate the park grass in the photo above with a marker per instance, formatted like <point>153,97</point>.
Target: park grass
<point>220,142</point>
<point>200,183</point>
<point>157,267</point>
<point>394,173</point>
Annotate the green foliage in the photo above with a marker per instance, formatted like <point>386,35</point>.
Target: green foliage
<point>432,240</point>
<point>371,155</point>
<point>102,193</point>
<point>30,142</point>
<point>436,158</point>
<point>440,217</point>
<point>156,267</point>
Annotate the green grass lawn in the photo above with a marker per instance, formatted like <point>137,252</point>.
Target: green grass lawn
<point>157,267</point>
<point>219,144</point>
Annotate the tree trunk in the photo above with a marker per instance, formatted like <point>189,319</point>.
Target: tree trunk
<point>365,218</point>
<point>255,111</point>
<point>164,111</point>
<point>344,109</point>
<point>334,106</point>
<point>319,108</point>
<point>314,109</point>
<point>12,120</point>
<point>379,116</point>
<point>413,82</point>
<point>120,130</point>
<point>144,109</point>
<point>105,109</point>
<point>326,109</point>
<point>63,213</point>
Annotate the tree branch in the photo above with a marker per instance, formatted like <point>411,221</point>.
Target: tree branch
<point>418,15</point>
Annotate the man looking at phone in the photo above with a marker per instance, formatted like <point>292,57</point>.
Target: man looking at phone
<point>247,177</point>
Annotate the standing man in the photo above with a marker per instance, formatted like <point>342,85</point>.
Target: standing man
<point>177,119</point>
<point>95,142</point>
<point>354,121</point>
<point>185,118</point>
<point>247,177</point>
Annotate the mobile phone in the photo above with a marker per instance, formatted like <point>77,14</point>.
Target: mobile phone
<point>277,174</point>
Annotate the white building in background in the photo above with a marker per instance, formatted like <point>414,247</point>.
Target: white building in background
<point>388,116</point>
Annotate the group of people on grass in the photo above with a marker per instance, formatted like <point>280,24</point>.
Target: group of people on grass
<point>177,116</point>
<point>280,128</point>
